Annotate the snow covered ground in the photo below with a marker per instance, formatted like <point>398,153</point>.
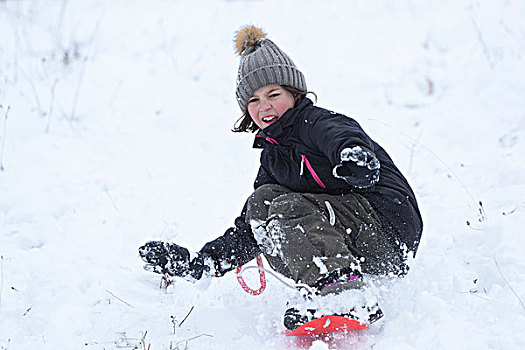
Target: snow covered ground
<point>115,126</point>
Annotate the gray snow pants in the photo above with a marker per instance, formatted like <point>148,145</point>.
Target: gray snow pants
<point>305,236</point>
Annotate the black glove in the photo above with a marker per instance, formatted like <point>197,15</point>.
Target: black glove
<point>358,167</point>
<point>172,259</point>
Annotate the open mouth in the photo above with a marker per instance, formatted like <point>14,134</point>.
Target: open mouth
<point>269,119</point>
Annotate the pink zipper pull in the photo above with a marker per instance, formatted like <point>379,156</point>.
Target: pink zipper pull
<point>311,170</point>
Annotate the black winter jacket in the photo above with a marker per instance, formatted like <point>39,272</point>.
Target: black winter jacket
<point>300,151</point>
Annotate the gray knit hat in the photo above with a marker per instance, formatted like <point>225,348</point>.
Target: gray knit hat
<point>262,63</point>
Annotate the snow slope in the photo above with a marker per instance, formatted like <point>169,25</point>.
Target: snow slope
<point>115,129</point>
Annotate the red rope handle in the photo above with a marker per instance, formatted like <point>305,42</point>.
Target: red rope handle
<point>261,277</point>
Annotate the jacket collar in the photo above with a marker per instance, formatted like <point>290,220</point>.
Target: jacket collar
<point>282,125</point>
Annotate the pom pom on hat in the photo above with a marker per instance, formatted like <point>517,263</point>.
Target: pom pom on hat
<point>248,36</point>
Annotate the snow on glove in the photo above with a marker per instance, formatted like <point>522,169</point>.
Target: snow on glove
<point>358,167</point>
<point>172,259</point>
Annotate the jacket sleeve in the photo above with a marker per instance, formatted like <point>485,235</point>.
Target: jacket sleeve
<point>331,133</point>
<point>235,247</point>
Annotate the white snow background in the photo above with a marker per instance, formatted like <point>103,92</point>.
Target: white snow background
<point>115,129</point>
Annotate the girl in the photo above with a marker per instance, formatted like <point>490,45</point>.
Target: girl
<point>329,203</point>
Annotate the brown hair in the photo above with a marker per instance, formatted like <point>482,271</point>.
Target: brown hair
<point>246,124</point>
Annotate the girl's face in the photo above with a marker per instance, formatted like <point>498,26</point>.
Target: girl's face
<point>268,104</point>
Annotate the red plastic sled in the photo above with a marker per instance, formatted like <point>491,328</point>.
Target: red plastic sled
<point>327,324</point>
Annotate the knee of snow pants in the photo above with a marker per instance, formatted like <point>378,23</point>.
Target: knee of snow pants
<point>257,216</point>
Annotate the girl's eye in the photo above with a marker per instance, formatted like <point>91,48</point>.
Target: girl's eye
<point>274,95</point>
<point>252,100</point>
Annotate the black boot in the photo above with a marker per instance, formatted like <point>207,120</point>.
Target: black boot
<point>294,318</point>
